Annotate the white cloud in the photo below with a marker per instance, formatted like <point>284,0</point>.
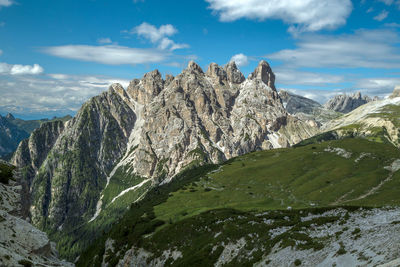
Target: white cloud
<point>1,52</point>
<point>371,9</point>
<point>104,41</point>
<point>381,16</point>
<point>153,33</point>
<point>240,60</point>
<point>50,94</point>
<point>384,85</point>
<point>7,69</point>
<point>109,54</point>
<point>363,49</point>
<point>310,15</point>
<point>295,77</point>
<point>158,35</point>
<point>6,3</point>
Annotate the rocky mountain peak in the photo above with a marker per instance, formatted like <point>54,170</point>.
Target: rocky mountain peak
<point>143,91</point>
<point>152,75</point>
<point>193,66</point>
<point>357,95</point>
<point>116,87</point>
<point>345,103</point>
<point>216,72</point>
<point>233,73</point>
<point>264,73</point>
<point>10,116</point>
<point>396,92</point>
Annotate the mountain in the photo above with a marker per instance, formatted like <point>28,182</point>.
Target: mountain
<point>21,244</point>
<point>377,120</point>
<point>346,103</point>
<point>324,201</point>
<point>10,136</point>
<point>307,109</point>
<point>84,172</point>
<point>320,204</point>
<point>14,130</point>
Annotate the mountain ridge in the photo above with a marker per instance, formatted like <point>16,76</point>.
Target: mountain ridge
<point>123,142</point>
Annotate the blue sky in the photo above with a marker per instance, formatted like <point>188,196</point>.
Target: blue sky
<point>54,55</point>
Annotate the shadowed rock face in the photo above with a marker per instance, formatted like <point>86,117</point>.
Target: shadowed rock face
<point>346,103</point>
<point>156,129</point>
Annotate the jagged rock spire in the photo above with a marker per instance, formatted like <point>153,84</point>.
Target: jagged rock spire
<point>149,87</point>
<point>264,73</point>
<point>216,72</point>
<point>233,73</point>
<point>193,66</point>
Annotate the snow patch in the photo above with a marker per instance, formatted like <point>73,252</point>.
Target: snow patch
<point>129,189</point>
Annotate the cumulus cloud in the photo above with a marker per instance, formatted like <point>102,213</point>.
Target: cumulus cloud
<point>310,15</point>
<point>153,33</point>
<point>6,3</point>
<point>363,49</point>
<point>20,69</point>
<point>381,16</point>
<point>52,94</point>
<point>108,54</point>
<point>240,60</point>
<point>158,35</point>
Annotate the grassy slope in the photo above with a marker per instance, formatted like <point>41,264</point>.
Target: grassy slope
<point>301,177</point>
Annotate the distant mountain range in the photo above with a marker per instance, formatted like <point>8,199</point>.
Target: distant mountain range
<point>13,131</point>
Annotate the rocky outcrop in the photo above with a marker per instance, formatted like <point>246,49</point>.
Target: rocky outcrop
<point>346,103</point>
<point>264,73</point>
<point>20,242</point>
<point>396,92</point>
<point>154,130</point>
